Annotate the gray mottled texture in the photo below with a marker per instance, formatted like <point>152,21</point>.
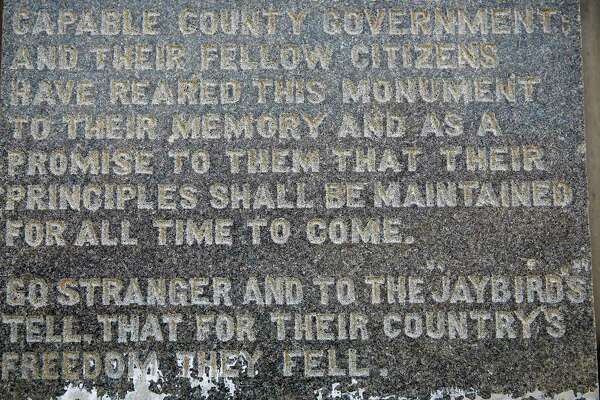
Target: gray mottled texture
<point>529,245</point>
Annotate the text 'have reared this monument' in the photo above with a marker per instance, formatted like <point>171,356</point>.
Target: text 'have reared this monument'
<point>294,200</point>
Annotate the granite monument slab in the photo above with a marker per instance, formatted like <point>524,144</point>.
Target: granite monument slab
<point>294,200</point>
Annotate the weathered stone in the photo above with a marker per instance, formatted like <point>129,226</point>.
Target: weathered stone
<point>294,200</point>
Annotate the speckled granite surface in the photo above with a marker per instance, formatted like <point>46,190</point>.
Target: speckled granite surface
<point>294,200</point>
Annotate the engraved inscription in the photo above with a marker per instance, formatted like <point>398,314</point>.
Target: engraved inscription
<point>293,200</point>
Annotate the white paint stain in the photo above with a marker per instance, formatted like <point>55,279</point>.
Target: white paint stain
<point>142,381</point>
<point>141,389</point>
<point>447,393</point>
